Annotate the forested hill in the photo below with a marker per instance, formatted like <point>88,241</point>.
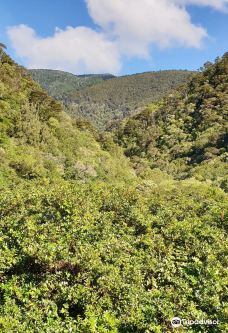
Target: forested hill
<point>39,140</point>
<point>122,96</point>
<point>88,246</point>
<point>59,83</point>
<point>186,134</point>
<point>102,98</point>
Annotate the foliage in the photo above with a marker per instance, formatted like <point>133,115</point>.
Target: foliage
<point>108,259</point>
<point>90,245</point>
<point>122,96</point>
<point>104,98</point>
<point>59,83</point>
<point>186,134</point>
<point>39,140</point>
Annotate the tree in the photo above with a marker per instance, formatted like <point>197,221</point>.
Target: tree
<point>2,46</point>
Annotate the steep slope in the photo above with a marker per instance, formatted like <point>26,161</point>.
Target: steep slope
<point>59,83</point>
<point>187,133</point>
<point>102,98</point>
<point>122,96</point>
<point>38,140</point>
<point>85,246</point>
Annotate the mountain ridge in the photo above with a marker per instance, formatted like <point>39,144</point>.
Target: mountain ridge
<point>102,100</point>
<point>58,82</point>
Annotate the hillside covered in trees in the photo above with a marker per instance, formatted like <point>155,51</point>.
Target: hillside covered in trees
<point>38,139</point>
<point>103,98</point>
<point>97,241</point>
<point>59,83</point>
<point>187,133</point>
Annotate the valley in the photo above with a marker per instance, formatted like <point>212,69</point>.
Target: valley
<point>102,99</point>
<point>113,199</point>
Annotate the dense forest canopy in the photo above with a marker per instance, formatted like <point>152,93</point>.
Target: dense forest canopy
<point>103,98</point>
<point>186,134</point>
<point>100,236</point>
<point>59,83</point>
<point>39,140</point>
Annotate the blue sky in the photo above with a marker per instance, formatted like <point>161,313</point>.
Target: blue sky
<point>113,36</point>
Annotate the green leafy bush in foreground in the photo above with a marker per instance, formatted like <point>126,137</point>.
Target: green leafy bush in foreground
<point>93,258</point>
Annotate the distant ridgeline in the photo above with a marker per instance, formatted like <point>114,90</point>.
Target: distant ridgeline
<point>98,236</point>
<point>59,83</point>
<point>103,98</point>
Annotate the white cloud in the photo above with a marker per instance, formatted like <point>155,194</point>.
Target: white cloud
<point>127,27</point>
<point>78,50</point>
<point>138,23</point>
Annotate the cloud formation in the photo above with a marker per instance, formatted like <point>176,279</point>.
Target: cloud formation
<point>125,28</point>
<point>144,22</point>
<point>77,50</point>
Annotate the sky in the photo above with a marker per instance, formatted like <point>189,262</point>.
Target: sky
<point>114,36</point>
